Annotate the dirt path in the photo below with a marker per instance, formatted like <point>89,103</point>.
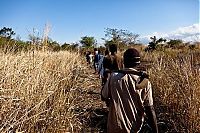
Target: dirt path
<point>91,111</point>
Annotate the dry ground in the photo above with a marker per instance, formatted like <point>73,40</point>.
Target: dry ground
<point>90,110</point>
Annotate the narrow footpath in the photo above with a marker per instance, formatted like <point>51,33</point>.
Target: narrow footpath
<point>90,110</point>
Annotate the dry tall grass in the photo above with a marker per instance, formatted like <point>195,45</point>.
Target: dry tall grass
<point>37,91</point>
<point>175,76</point>
<point>46,91</point>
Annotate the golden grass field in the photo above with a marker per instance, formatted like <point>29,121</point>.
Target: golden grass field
<point>57,92</point>
<point>36,90</point>
<point>175,77</point>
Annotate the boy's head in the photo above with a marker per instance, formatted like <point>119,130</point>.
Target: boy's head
<point>131,58</point>
<point>113,48</point>
<point>106,52</point>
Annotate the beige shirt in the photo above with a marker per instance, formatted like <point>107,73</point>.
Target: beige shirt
<point>127,101</point>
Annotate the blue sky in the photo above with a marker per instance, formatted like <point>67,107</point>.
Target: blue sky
<point>72,19</point>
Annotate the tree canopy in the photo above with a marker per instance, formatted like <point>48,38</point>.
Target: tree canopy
<point>119,37</point>
<point>154,42</point>
<point>87,41</point>
<point>174,43</point>
<point>7,32</point>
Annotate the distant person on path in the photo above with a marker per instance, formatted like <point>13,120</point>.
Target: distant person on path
<point>101,68</point>
<point>112,61</point>
<point>91,58</point>
<point>97,57</point>
<point>128,94</point>
<point>87,57</point>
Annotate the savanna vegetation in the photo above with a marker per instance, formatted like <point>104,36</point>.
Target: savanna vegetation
<point>47,87</point>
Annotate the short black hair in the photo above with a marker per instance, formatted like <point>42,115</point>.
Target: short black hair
<point>113,48</point>
<point>99,51</point>
<point>106,52</point>
<point>131,58</point>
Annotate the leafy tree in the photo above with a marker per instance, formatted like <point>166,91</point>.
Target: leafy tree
<point>107,43</point>
<point>87,41</point>
<point>154,43</point>
<point>7,32</point>
<point>65,46</point>
<point>112,34</point>
<point>55,46</point>
<point>175,43</point>
<point>74,45</point>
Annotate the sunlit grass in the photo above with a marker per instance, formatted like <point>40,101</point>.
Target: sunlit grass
<point>42,91</point>
<point>176,82</point>
<point>35,90</point>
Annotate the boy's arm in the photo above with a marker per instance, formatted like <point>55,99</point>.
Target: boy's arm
<point>105,92</point>
<point>151,118</point>
<point>149,109</point>
<point>100,65</point>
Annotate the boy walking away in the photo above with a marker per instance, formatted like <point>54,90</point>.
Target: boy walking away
<point>101,68</point>
<point>112,62</point>
<point>87,56</point>
<point>128,94</point>
<point>91,57</point>
<point>96,59</point>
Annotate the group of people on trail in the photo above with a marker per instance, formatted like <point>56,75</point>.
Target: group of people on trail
<point>94,59</point>
<point>126,91</point>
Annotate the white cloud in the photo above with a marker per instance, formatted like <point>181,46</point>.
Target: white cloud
<point>187,34</point>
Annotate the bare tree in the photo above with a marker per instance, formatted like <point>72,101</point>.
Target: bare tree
<point>34,37</point>
<point>129,38</point>
<point>47,29</point>
<point>120,37</point>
